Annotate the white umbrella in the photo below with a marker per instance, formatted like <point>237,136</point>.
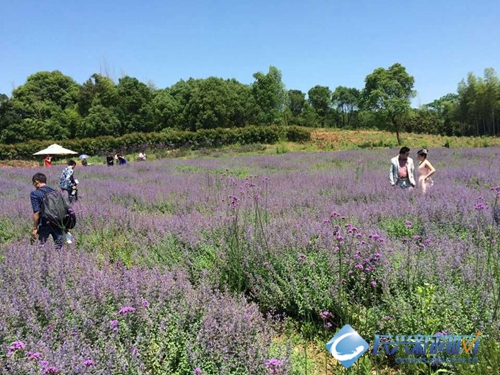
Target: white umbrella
<point>55,150</point>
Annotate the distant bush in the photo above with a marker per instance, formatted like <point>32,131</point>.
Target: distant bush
<point>136,142</point>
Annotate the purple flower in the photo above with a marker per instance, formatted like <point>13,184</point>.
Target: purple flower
<point>44,363</point>
<point>134,351</point>
<point>408,224</point>
<point>145,303</point>
<point>325,314</point>
<point>312,264</point>
<point>197,371</point>
<point>302,256</point>
<point>32,356</point>
<point>374,283</point>
<point>125,310</point>
<point>273,365</point>
<point>88,363</point>
<point>51,370</point>
<point>16,345</point>
<point>334,214</point>
<point>114,323</point>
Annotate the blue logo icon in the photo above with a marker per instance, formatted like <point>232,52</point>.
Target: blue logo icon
<point>347,346</point>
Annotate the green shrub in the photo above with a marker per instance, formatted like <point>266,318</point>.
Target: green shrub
<point>135,142</point>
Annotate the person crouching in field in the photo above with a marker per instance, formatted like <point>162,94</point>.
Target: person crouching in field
<point>402,171</point>
<point>41,228</point>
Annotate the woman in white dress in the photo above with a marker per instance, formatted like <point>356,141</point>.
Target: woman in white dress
<point>425,171</point>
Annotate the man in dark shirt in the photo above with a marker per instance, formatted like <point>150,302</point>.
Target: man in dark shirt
<point>41,228</point>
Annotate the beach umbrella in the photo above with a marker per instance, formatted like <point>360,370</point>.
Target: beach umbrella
<point>55,150</point>
<point>84,156</point>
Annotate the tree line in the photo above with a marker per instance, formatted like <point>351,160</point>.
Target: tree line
<point>51,105</point>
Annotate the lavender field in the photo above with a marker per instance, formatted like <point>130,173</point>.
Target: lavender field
<point>215,265</point>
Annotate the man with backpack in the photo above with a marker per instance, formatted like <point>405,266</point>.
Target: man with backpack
<point>42,228</point>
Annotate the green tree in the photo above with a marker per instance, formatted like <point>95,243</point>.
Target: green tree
<point>320,98</point>
<point>445,108</point>
<point>134,107</point>
<point>100,88</point>
<point>389,93</point>
<point>296,102</point>
<point>166,110</point>
<point>347,101</point>
<point>9,121</point>
<point>100,121</point>
<point>269,94</point>
<point>44,89</point>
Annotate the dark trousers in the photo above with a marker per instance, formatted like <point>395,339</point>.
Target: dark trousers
<point>45,232</point>
<point>72,195</point>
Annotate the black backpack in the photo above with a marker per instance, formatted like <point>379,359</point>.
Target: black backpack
<point>57,210</point>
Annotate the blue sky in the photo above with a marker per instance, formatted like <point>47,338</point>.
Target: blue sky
<point>327,43</point>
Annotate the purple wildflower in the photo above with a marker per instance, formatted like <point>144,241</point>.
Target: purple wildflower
<point>32,356</point>
<point>51,370</point>
<point>17,345</point>
<point>44,363</point>
<point>145,303</point>
<point>273,365</point>
<point>125,310</point>
<point>88,363</point>
<point>197,371</point>
<point>325,314</point>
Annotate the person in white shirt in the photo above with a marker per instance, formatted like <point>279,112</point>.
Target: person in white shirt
<point>402,171</point>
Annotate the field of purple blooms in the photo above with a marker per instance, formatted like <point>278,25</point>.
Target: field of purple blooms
<point>199,266</point>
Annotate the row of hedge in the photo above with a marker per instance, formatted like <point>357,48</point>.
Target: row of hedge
<point>135,142</point>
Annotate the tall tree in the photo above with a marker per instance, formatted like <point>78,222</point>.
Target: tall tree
<point>446,108</point>
<point>100,88</point>
<point>296,102</point>
<point>269,93</point>
<point>389,92</point>
<point>347,101</point>
<point>320,98</point>
<point>134,107</point>
<point>9,121</point>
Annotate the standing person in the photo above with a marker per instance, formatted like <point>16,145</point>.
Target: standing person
<point>402,171</point>
<point>110,161</point>
<point>67,181</point>
<point>47,161</point>
<point>41,228</point>
<point>425,170</point>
